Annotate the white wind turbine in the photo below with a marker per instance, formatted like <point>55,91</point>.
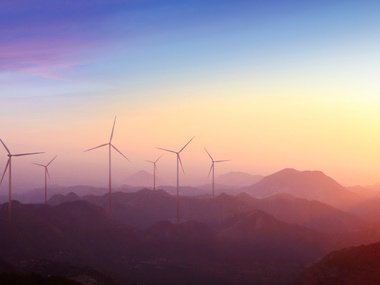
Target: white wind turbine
<point>213,169</point>
<point>9,164</point>
<point>154,171</point>
<point>110,146</point>
<point>46,175</point>
<point>178,162</point>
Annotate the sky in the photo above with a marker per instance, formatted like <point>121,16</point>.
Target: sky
<point>265,84</point>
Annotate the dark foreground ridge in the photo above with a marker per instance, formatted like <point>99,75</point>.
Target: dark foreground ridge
<point>349,266</point>
<point>77,238</point>
<point>222,240</point>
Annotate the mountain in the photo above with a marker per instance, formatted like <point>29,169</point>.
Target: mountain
<point>238,179</point>
<point>218,189</point>
<point>310,185</point>
<point>368,210</point>
<point>143,179</point>
<point>366,191</point>
<point>78,233</point>
<point>183,190</point>
<point>250,244</point>
<point>222,240</point>
<point>350,266</point>
<point>257,235</point>
<point>181,240</point>
<point>312,214</point>
<point>70,231</point>
<point>144,208</point>
<point>37,195</point>
<point>60,198</point>
<point>375,187</point>
<point>250,248</point>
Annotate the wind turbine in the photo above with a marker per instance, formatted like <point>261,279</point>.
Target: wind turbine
<point>46,175</point>
<point>9,164</point>
<point>178,162</point>
<point>154,171</point>
<point>213,169</point>
<point>110,145</point>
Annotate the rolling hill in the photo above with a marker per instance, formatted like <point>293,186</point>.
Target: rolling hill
<point>82,236</point>
<point>310,185</point>
<point>349,266</point>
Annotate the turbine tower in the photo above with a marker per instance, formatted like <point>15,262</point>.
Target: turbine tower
<point>110,146</point>
<point>9,164</point>
<point>178,162</point>
<point>46,175</point>
<point>154,171</point>
<point>213,170</point>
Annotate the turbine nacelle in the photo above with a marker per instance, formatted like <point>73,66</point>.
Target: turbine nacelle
<point>178,152</point>
<point>154,170</point>
<point>46,166</point>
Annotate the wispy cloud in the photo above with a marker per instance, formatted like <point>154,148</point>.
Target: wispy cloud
<point>47,38</point>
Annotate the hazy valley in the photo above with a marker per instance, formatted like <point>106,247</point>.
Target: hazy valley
<point>270,232</point>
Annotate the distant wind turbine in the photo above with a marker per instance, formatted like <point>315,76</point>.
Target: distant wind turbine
<point>213,169</point>
<point>9,164</point>
<point>46,175</point>
<point>178,162</point>
<point>154,171</point>
<point>110,145</point>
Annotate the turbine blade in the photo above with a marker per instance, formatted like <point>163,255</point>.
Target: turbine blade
<point>166,150</point>
<point>149,161</point>
<point>180,162</point>
<point>5,170</point>
<point>5,147</point>
<point>39,164</point>
<point>51,160</point>
<point>96,147</point>
<point>120,152</point>
<point>186,144</point>
<point>212,166</point>
<point>30,153</point>
<point>209,154</point>
<point>158,158</point>
<point>113,127</point>
<point>47,171</point>
<point>222,160</point>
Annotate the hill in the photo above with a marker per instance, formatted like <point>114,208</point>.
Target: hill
<point>350,266</point>
<point>80,236</point>
<point>238,179</point>
<point>310,185</point>
<point>143,179</point>
<point>312,214</point>
<point>144,208</point>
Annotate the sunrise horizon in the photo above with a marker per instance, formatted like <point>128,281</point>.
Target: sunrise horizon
<point>190,142</point>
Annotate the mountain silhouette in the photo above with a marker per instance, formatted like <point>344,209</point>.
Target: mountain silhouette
<point>144,208</point>
<point>349,266</point>
<point>143,179</point>
<point>238,179</point>
<point>184,190</point>
<point>312,214</point>
<point>257,235</point>
<point>310,185</point>
<point>82,235</point>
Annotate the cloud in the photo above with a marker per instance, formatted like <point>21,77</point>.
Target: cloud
<point>46,38</point>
